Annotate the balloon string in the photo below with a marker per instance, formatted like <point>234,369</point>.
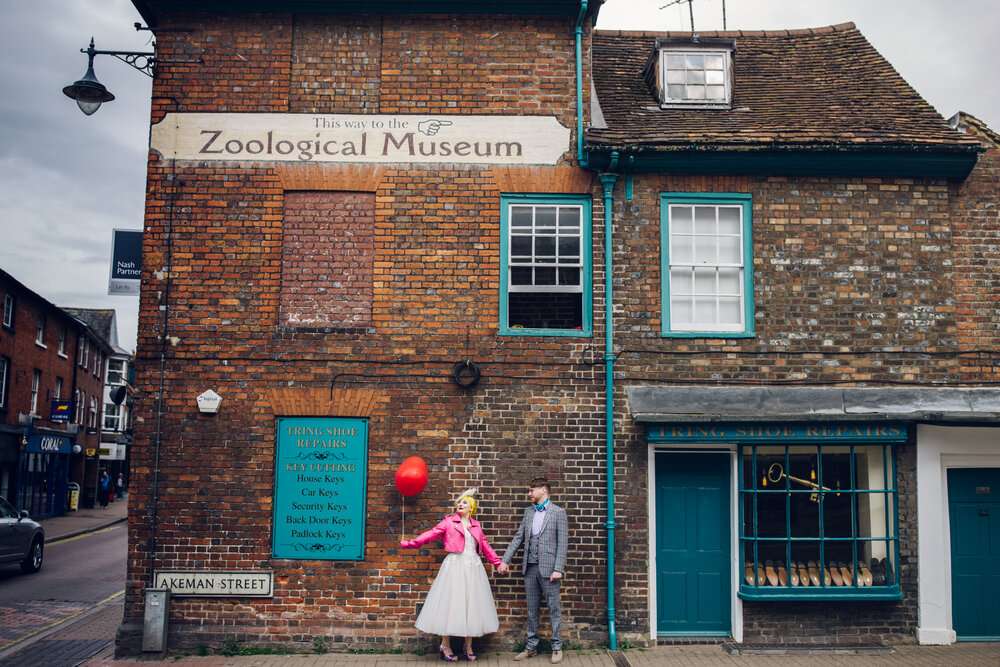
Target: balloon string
<point>403,536</point>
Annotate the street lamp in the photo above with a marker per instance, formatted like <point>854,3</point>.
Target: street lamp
<point>90,93</point>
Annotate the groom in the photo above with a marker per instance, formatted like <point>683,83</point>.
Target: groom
<point>543,531</point>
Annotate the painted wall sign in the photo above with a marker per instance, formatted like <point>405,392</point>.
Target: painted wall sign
<point>775,432</point>
<point>320,488</point>
<point>361,138</point>
<point>216,583</point>
<point>49,444</point>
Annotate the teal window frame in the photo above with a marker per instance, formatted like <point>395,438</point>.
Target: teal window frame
<point>794,488</point>
<point>745,201</point>
<point>586,270</point>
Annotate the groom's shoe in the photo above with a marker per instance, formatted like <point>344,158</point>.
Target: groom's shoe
<point>525,654</point>
<point>556,656</point>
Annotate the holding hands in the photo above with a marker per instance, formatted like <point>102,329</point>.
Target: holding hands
<point>503,568</point>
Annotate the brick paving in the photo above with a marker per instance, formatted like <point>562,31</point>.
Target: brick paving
<point>24,618</point>
<point>959,655</point>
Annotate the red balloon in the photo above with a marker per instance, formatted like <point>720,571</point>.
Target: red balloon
<point>411,477</point>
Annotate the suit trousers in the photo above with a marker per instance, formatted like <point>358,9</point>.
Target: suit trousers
<point>538,588</point>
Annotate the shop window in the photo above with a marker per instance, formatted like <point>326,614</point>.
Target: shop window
<point>706,265</point>
<point>818,521</point>
<point>545,286</point>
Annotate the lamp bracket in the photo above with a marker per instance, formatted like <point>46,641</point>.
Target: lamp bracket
<point>144,61</point>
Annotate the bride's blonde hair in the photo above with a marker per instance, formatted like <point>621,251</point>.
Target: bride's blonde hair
<point>470,494</point>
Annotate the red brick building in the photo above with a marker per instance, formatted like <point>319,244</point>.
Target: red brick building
<point>377,234</point>
<point>47,356</point>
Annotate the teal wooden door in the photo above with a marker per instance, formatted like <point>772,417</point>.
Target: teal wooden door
<point>693,590</point>
<point>974,512</point>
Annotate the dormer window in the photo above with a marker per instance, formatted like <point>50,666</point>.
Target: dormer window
<point>695,73</point>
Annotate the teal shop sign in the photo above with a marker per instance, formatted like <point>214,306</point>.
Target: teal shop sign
<point>320,488</point>
<point>844,432</point>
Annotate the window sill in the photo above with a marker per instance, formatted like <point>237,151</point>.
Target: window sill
<point>41,345</point>
<point>694,104</point>
<point>827,593</point>
<point>564,333</point>
<point>708,334</point>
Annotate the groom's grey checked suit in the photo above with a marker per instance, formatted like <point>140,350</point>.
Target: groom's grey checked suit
<point>550,544</point>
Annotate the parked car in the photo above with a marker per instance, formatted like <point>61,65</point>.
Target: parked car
<point>22,540</point>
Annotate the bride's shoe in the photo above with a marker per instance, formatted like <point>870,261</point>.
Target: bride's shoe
<point>469,655</point>
<point>449,656</point>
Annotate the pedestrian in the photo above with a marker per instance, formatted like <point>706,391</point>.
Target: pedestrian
<point>121,486</point>
<point>103,489</point>
<point>460,602</point>
<point>543,533</point>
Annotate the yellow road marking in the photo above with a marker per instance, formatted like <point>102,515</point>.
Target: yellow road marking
<point>76,537</point>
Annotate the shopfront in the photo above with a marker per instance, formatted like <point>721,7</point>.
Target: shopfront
<point>781,518</point>
<point>43,472</point>
<point>770,511</point>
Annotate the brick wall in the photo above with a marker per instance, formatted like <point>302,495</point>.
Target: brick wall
<point>326,259</point>
<point>216,244</point>
<point>25,356</point>
<point>844,272</point>
<point>976,223</point>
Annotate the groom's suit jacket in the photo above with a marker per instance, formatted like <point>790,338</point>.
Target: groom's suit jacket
<point>552,540</point>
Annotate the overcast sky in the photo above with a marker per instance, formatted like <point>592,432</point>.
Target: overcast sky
<point>67,180</point>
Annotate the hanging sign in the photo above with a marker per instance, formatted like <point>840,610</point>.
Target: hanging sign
<point>320,486</point>
<point>126,261</point>
<point>59,411</point>
<point>396,139</point>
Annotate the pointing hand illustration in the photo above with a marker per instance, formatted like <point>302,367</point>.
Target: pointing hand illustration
<point>431,127</point>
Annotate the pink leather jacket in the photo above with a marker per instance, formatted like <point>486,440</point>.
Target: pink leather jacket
<point>454,538</point>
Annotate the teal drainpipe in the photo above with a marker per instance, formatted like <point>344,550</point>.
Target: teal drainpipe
<point>608,180</point>
<point>578,42</point>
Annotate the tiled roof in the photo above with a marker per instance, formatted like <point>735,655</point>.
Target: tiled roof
<point>824,87</point>
<point>963,122</point>
<point>101,321</point>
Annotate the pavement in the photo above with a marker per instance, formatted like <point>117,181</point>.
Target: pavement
<point>87,639</point>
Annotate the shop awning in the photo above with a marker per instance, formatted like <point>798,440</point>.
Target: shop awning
<point>703,403</point>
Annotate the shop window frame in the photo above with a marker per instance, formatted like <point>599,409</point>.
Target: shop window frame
<point>854,591</point>
<point>507,201</point>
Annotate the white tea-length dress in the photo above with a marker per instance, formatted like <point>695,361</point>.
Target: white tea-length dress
<point>460,602</point>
